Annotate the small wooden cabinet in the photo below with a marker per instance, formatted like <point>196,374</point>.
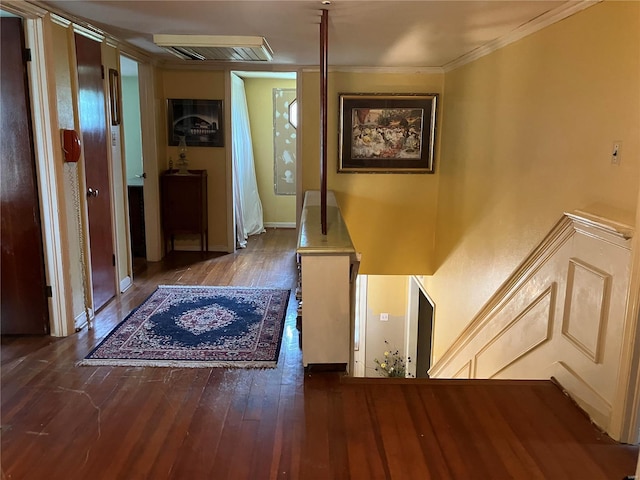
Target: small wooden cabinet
<point>184,206</point>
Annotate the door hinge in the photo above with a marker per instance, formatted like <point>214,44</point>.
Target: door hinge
<point>102,71</point>
<point>48,291</point>
<point>113,259</point>
<point>27,54</point>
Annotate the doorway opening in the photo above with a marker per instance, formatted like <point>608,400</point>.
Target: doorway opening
<point>135,174</point>
<point>419,331</point>
<point>265,174</point>
<point>24,302</point>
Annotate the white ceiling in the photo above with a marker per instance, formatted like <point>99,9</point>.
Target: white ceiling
<point>371,33</point>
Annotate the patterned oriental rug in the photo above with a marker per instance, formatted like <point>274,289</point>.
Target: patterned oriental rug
<point>181,326</point>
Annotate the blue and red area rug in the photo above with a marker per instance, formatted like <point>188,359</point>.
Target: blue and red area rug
<point>181,326</point>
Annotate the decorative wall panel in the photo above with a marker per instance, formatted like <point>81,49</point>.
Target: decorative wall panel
<point>284,142</point>
<point>464,372</point>
<point>587,260</point>
<point>524,333</point>
<point>586,307</point>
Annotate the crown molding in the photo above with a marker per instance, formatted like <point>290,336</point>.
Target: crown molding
<point>58,20</point>
<point>84,28</point>
<point>23,8</point>
<point>89,32</point>
<point>549,18</point>
<point>377,70</point>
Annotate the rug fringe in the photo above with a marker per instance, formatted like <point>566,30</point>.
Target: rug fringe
<point>173,364</point>
<point>222,287</point>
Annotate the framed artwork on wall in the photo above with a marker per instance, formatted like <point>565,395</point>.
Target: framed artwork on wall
<point>387,133</point>
<point>199,121</point>
<point>284,142</point>
<point>115,95</point>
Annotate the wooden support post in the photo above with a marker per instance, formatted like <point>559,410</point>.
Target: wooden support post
<point>324,40</point>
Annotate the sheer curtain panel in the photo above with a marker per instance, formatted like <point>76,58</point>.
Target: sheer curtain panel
<point>247,204</point>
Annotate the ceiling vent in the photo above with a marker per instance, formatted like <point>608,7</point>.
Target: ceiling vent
<point>216,47</point>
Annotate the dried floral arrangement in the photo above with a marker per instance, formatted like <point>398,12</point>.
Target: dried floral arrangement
<point>392,364</point>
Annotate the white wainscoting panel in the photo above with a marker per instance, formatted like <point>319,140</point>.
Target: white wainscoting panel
<point>464,372</point>
<point>561,314</point>
<point>586,307</point>
<point>591,401</point>
<point>530,329</point>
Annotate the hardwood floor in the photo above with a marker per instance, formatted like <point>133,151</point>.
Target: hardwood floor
<point>60,421</point>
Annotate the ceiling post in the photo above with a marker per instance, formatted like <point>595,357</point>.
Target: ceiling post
<point>323,118</point>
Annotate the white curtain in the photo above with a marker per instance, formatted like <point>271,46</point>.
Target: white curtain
<point>247,204</point>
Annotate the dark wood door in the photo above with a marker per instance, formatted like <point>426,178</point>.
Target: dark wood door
<point>425,333</point>
<point>24,302</point>
<point>94,137</point>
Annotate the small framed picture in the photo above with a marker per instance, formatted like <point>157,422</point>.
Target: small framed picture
<point>199,121</point>
<point>115,96</point>
<point>387,133</point>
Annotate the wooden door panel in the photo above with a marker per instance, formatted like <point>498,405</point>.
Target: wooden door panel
<point>24,302</point>
<point>94,137</point>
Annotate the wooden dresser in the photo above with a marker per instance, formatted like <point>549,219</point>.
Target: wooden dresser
<point>184,206</point>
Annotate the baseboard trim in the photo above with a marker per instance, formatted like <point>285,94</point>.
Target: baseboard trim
<point>125,284</point>
<point>280,225</point>
<point>80,320</point>
<point>197,248</point>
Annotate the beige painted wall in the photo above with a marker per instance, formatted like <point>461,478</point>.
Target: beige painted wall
<point>259,91</point>
<point>391,217</point>
<point>73,211</point>
<point>68,173</point>
<point>203,85</point>
<point>528,132</point>
<point>385,294</point>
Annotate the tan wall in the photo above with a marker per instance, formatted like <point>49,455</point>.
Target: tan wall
<point>391,217</point>
<point>68,173</point>
<point>385,294</point>
<point>204,85</point>
<point>528,132</point>
<point>259,91</point>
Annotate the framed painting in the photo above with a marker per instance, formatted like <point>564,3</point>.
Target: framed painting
<point>387,133</point>
<point>199,121</point>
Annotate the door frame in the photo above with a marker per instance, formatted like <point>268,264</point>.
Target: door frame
<point>46,148</point>
<point>231,217</point>
<point>151,191</point>
<point>415,289</point>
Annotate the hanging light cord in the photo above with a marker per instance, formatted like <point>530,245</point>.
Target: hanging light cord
<point>73,179</point>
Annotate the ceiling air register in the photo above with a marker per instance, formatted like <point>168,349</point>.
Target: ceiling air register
<point>216,47</point>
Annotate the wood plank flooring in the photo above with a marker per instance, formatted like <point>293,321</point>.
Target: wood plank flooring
<point>60,421</point>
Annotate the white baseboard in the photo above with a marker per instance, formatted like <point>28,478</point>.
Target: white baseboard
<point>280,225</point>
<point>80,321</point>
<point>197,248</point>
<point>125,284</point>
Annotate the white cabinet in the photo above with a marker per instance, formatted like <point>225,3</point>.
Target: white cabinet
<point>328,264</point>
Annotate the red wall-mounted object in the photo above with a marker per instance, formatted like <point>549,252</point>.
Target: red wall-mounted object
<point>71,145</point>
